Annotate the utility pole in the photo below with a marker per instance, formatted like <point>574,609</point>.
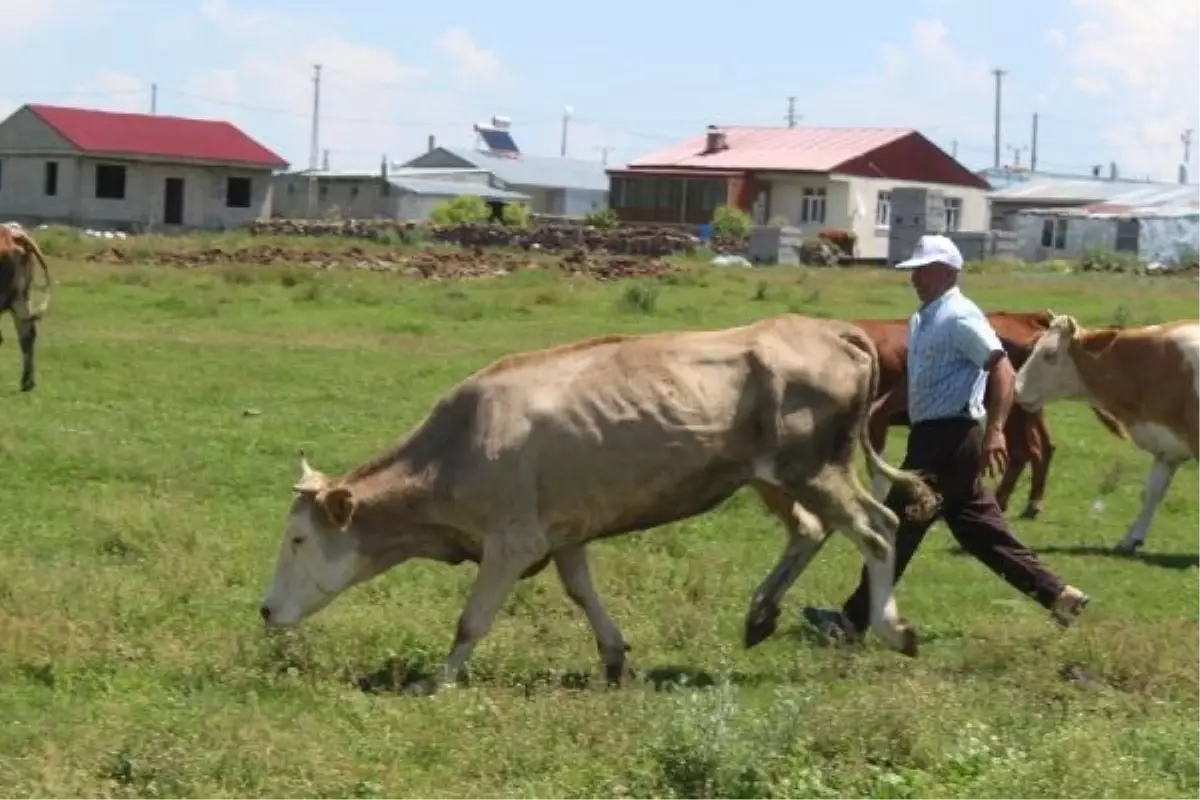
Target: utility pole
<point>566,124</point>
<point>1033,145</point>
<point>999,73</point>
<point>604,151</point>
<point>791,115</point>
<point>1016,151</point>
<point>1186,138</point>
<point>314,145</point>
<point>154,98</point>
<point>954,149</point>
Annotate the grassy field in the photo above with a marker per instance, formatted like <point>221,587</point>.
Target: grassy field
<point>145,486</point>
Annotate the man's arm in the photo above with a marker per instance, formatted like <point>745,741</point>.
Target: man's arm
<point>999,389</point>
<point>979,344</point>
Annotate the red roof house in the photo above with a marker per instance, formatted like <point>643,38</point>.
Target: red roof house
<point>813,177</point>
<point>130,170</point>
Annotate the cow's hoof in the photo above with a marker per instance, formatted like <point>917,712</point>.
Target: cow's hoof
<point>1030,512</point>
<point>1127,548</point>
<point>613,672</point>
<point>28,387</point>
<point>760,624</point>
<point>908,641</point>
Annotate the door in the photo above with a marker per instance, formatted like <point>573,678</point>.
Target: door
<point>173,202</point>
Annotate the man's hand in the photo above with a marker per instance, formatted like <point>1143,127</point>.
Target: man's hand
<point>995,452</point>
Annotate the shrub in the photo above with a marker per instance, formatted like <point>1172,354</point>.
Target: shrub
<point>516,215</point>
<point>1099,258</point>
<point>604,219</point>
<point>461,210</point>
<point>730,223</point>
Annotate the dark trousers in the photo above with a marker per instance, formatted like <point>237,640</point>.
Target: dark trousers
<point>949,453</point>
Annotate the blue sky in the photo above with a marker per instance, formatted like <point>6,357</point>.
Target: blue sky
<point>1112,80</point>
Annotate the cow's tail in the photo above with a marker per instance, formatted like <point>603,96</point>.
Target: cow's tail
<point>32,247</point>
<point>925,500</point>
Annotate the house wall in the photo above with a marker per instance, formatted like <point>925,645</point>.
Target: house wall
<point>863,204</point>
<point>580,202</point>
<point>24,133</point>
<point>1166,239</point>
<point>23,196</point>
<point>350,198</point>
<point>1081,233</point>
<point>785,198</point>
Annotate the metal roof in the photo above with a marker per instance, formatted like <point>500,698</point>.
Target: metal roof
<point>422,186</point>
<point>773,148</point>
<point>1049,189</point>
<point>148,135</point>
<point>550,172</point>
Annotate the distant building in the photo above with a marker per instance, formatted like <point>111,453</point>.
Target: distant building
<point>567,187</point>
<point>1062,216</point>
<point>131,171</point>
<point>400,194</point>
<point>812,178</point>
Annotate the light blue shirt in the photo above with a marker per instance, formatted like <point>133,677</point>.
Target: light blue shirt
<point>949,341</point>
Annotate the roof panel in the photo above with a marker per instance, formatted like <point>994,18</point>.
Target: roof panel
<point>455,189</point>
<point>543,171</point>
<point>771,148</point>
<point>1081,191</point>
<point>150,135</point>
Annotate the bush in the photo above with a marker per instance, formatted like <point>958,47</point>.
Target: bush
<point>730,223</point>
<point>604,219</point>
<point>461,210</point>
<point>516,215</point>
<point>1099,258</point>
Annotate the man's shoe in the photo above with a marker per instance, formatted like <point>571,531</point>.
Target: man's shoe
<point>1068,606</point>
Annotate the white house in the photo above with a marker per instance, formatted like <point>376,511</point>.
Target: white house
<point>812,178</point>
<point>131,171</point>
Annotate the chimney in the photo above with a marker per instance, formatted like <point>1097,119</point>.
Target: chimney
<point>325,159</point>
<point>432,143</point>
<point>1112,170</point>
<point>714,141</point>
<point>383,168</point>
<point>1182,174</point>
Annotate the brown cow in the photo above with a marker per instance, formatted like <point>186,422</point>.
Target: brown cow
<point>17,247</point>
<point>1026,433</point>
<point>540,454</point>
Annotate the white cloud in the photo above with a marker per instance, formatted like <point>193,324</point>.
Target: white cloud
<point>1140,57</point>
<point>473,65</point>
<point>923,82</point>
<point>23,16</point>
<point>371,103</point>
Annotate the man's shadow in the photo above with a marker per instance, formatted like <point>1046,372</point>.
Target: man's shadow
<point>1179,561</point>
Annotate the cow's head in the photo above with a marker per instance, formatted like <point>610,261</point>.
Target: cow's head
<point>319,557</point>
<point>1050,374</point>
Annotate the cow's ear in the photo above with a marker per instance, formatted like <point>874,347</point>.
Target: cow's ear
<point>311,481</point>
<point>339,504</point>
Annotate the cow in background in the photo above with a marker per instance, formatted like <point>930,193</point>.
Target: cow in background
<point>17,250</point>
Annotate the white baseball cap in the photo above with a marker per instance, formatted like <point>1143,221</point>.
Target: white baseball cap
<point>934,248</point>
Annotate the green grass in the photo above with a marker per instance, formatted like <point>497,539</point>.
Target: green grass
<point>145,486</point>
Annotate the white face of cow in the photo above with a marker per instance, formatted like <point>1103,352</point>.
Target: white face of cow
<point>1050,373</point>
<point>318,558</point>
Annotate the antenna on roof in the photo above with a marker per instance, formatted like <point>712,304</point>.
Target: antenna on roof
<point>566,123</point>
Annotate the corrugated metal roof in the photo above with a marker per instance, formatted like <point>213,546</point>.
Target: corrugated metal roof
<point>150,135</point>
<point>771,148</point>
<point>434,188</point>
<point>1082,191</point>
<point>542,171</point>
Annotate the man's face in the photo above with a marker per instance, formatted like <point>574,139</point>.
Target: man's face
<point>931,280</point>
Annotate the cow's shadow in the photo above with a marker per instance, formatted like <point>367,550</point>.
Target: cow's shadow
<point>399,676</point>
<point>1180,561</point>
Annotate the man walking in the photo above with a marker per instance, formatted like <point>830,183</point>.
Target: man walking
<point>954,356</point>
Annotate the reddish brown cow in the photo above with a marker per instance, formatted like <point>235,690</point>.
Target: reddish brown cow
<point>1028,438</point>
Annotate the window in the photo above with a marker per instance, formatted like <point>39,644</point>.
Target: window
<point>237,192</point>
<point>1054,233</point>
<point>51,178</point>
<point>110,182</point>
<point>1127,235</point>
<point>883,210</point>
<point>953,214</point>
<point>812,205</point>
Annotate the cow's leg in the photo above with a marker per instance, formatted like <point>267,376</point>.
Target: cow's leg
<point>1039,464</point>
<point>1018,435</point>
<point>26,324</point>
<point>576,577</point>
<point>505,559</point>
<point>805,536</point>
<point>877,431</point>
<point>835,495</point>
<point>1157,483</point>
